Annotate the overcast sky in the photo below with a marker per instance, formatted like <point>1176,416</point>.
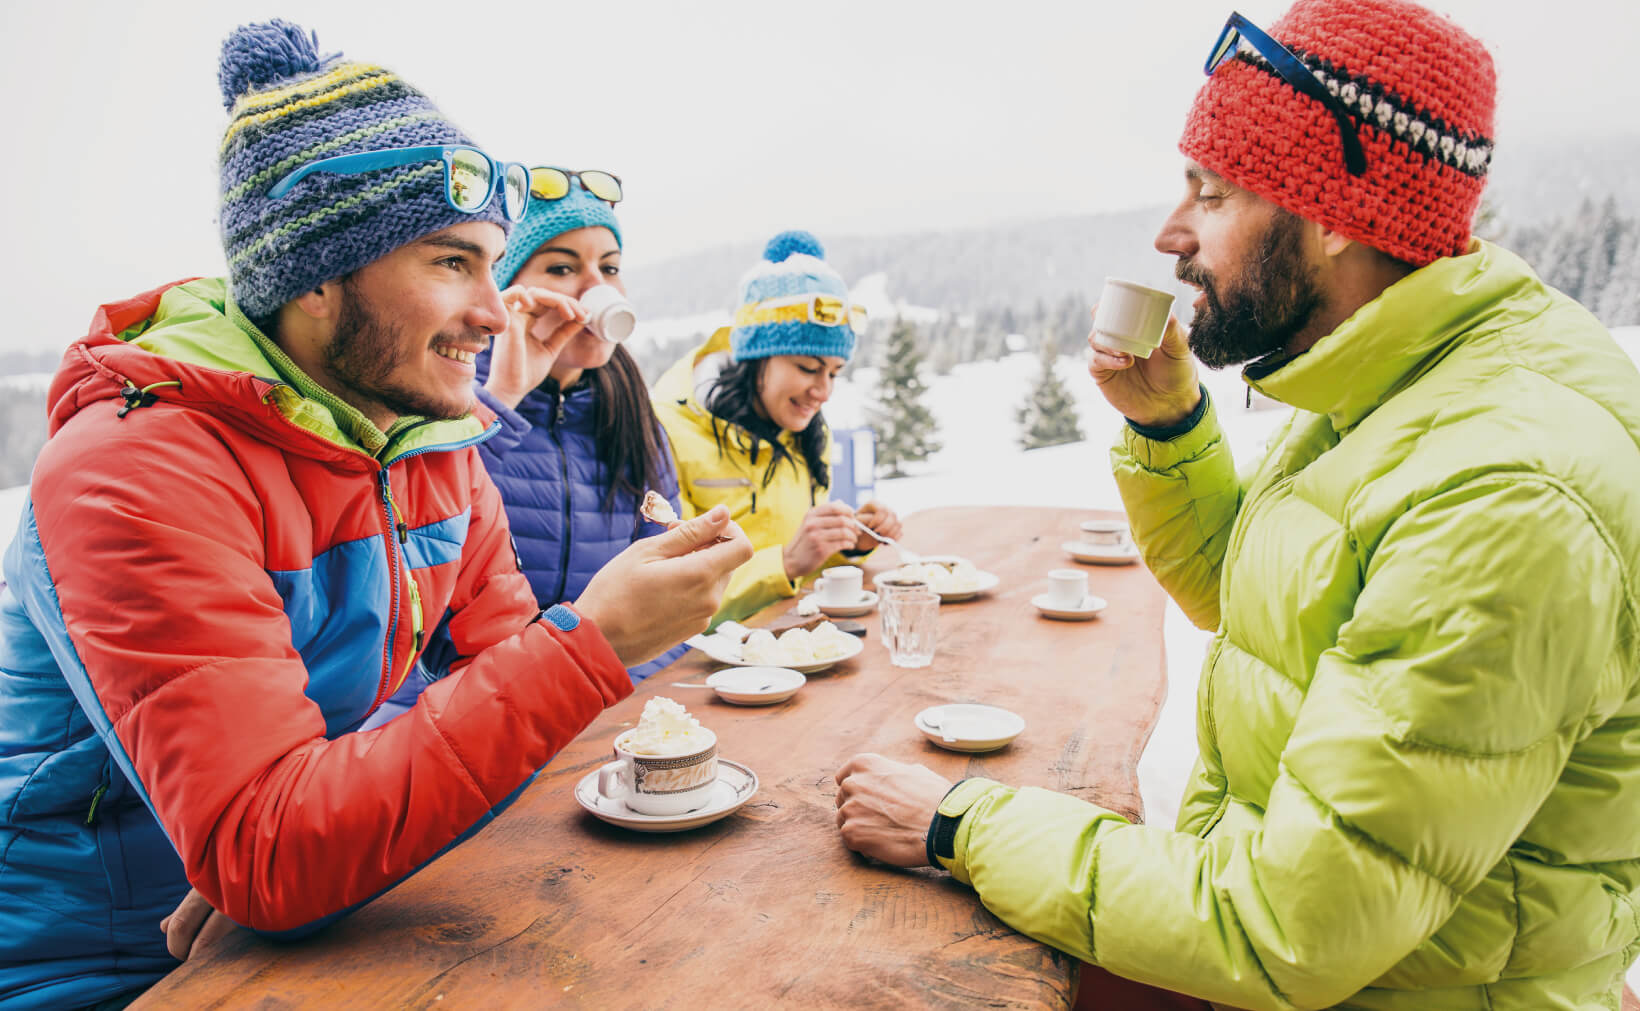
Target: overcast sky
<point>728,121</point>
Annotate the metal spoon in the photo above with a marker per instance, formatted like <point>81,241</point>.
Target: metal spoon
<point>908,557</point>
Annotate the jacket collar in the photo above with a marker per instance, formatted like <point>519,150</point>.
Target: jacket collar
<point>1398,336</point>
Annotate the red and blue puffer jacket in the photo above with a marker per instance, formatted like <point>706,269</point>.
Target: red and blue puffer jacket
<point>221,572</point>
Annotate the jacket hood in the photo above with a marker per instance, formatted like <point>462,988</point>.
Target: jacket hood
<point>187,344</point>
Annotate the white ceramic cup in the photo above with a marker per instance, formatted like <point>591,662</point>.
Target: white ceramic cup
<point>839,586</point>
<point>609,314</point>
<point>1067,588</point>
<point>660,784</point>
<point>1106,533</point>
<point>1130,317</point>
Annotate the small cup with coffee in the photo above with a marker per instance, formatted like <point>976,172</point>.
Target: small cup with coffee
<point>609,314</point>
<point>1067,588</point>
<point>1106,533</point>
<point>666,765</point>
<point>1130,317</point>
<point>839,586</point>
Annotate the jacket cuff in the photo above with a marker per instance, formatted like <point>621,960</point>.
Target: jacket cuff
<point>580,637</point>
<point>1163,455</point>
<point>1167,433</point>
<point>943,841</point>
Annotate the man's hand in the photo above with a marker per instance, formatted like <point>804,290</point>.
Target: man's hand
<point>826,529</point>
<point>663,589</point>
<point>539,323</point>
<point>879,518</point>
<point>884,807</point>
<point>1158,391</point>
<point>193,927</point>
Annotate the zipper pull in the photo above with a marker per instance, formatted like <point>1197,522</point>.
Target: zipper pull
<point>754,503</point>
<point>560,411</point>
<point>96,798</point>
<point>399,526</point>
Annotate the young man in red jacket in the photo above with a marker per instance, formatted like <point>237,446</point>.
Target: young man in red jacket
<point>259,510</point>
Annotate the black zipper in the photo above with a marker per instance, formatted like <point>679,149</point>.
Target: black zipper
<point>564,494</point>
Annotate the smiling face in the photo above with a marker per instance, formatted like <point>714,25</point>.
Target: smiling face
<point>792,388</point>
<point>571,263</point>
<point>409,325</point>
<point>1248,258</point>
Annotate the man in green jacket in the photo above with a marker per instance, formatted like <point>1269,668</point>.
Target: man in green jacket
<point>1419,723</point>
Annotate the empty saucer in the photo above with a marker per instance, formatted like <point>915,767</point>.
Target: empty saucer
<point>1089,607</point>
<point>756,686</point>
<point>1101,554</point>
<point>867,601</point>
<point>962,726</point>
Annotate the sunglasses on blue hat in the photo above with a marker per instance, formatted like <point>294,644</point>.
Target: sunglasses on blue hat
<point>471,177</point>
<point>1292,70</point>
<point>549,183</point>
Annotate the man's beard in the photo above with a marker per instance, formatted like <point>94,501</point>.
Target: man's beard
<point>1259,316</point>
<point>365,353</point>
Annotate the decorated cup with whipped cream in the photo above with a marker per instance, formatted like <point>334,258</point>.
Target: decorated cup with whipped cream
<point>666,765</point>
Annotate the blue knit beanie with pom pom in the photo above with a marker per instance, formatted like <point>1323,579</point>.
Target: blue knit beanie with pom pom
<point>792,303</point>
<point>290,106</point>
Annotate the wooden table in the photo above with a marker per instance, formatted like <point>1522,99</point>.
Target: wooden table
<point>549,904</point>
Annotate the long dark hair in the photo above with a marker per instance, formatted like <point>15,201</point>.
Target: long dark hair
<point>733,400</point>
<point>628,435</point>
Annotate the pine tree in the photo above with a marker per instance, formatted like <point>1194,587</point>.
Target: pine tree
<point>905,427</point>
<point>1048,417</point>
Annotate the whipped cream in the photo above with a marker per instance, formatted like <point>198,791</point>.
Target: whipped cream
<point>666,728</point>
<point>960,577</point>
<point>795,647</point>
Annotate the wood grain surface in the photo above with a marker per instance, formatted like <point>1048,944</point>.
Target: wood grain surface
<point>766,907</point>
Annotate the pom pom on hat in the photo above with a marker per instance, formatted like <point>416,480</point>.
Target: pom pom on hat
<point>793,269</point>
<point>785,244</point>
<point>260,55</point>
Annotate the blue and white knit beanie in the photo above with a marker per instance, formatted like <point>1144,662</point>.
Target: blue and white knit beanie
<point>774,316</point>
<point>290,106</point>
<point>548,219</point>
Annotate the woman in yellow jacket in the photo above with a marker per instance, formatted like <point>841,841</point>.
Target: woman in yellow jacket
<point>743,413</point>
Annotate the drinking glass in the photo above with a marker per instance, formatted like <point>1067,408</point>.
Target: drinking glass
<point>911,627</point>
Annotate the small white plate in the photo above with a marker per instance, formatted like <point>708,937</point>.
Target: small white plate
<point>867,601</point>
<point>726,651</point>
<point>987,582</point>
<point>1101,554</point>
<point>735,785</point>
<point>972,728</point>
<point>1089,607</point>
<point>756,686</point>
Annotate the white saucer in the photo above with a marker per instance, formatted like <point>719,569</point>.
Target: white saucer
<point>725,650</point>
<point>1089,607</point>
<point>745,686</point>
<point>867,601</point>
<point>972,727</point>
<point>1101,554</point>
<point>735,785</point>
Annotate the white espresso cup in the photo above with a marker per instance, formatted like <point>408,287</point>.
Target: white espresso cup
<point>609,314</point>
<point>1067,587</point>
<point>1130,317</point>
<point>839,586</point>
<point>660,784</point>
<point>1106,533</point>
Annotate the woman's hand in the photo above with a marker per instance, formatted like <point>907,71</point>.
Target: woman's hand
<point>1159,391</point>
<point>879,518</point>
<point>540,322</point>
<point>826,530</point>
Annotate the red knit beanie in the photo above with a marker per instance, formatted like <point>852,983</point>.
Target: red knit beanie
<point>1422,91</point>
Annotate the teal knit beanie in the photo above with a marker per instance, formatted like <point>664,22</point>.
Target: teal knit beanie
<point>548,219</point>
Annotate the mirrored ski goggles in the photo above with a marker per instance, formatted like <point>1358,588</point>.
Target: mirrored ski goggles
<point>471,177</point>
<point>548,183</point>
<point>822,310</point>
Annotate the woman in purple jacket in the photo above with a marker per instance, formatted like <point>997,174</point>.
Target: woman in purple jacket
<point>579,444</point>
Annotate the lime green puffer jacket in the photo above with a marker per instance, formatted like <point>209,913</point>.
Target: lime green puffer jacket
<point>1419,772</point>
